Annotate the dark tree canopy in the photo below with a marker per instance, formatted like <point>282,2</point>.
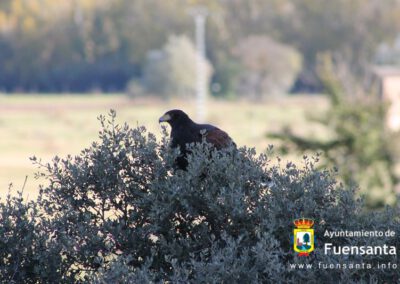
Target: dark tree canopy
<point>115,213</point>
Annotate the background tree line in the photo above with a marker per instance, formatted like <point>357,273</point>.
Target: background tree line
<point>83,45</point>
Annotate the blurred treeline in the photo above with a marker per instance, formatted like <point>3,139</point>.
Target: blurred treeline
<point>254,47</point>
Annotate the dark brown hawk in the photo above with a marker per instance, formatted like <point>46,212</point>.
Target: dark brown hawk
<point>185,131</point>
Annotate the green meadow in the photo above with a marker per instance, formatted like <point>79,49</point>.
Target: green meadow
<point>49,125</point>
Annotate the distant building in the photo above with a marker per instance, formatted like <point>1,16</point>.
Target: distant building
<point>389,91</point>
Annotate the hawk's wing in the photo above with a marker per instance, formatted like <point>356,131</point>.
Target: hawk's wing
<point>220,139</point>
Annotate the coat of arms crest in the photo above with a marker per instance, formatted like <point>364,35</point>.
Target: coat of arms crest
<point>303,236</point>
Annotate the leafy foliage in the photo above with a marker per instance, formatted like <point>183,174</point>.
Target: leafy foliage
<point>119,212</point>
<point>29,249</point>
<point>360,145</point>
<point>167,72</point>
<point>270,67</point>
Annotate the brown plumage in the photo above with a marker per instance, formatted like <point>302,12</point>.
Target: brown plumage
<point>185,131</point>
<point>220,139</point>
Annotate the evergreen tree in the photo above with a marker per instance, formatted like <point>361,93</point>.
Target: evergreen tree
<point>360,146</point>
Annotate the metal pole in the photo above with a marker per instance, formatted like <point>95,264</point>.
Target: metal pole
<point>201,72</point>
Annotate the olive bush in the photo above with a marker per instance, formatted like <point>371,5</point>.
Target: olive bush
<point>120,213</point>
<point>269,67</point>
<point>166,72</point>
<point>29,249</point>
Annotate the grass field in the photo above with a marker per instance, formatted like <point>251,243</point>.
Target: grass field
<point>49,125</point>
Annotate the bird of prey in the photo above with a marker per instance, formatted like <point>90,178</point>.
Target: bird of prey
<point>185,131</point>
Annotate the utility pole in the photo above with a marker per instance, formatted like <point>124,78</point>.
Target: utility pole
<point>200,15</point>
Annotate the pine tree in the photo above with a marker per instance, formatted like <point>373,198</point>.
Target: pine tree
<point>360,146</point>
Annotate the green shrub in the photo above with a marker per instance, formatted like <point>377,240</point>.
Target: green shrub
<point>269,67</point>
<point>172,71</point>
<point>359,142</point>
<point>118,212</point>
<point>29,249</point>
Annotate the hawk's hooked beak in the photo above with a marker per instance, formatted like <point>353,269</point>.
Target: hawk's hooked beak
<point>164,118</point>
